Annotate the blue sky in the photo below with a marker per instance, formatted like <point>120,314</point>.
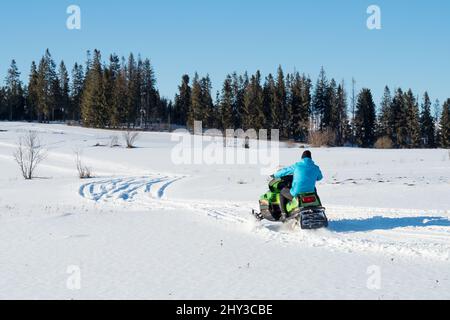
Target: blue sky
<point>412,50</point>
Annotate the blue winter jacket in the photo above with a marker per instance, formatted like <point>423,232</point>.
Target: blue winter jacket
<point>306,174</point>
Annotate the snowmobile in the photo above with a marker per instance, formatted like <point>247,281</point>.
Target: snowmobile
<point>306,209</point>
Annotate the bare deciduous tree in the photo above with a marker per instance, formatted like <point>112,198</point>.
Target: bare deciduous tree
<point>84,172</point>
<point>29,154</point>
<point>130,138</point>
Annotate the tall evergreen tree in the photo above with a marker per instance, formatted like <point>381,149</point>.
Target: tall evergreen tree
<point>253,115</point>
<point>444,131</point>
<point>320,100</point>
<point>412,118</point>
<point>385,116</point>
<point>14,93</point>
<point>207,106</point>
<point>427,127</point>
<point>182,103</point>
<point>64,91</point>
<point>32,99</point>
<point>340,116</point>
<point>195,112</point>
<point>93,105</point>
<point>226,104</point>
<point>365,119</point>
<point>398,120</point>
<point>279,114</point>
<point>76,92</point>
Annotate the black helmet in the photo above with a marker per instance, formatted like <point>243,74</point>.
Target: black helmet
<point>307,154</point>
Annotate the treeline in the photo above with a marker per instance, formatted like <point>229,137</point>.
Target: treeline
<point>317,113</point>
<point>120,93</point>
<point>123,93</point>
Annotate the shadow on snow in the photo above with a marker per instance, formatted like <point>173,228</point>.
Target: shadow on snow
<point>384,223</point>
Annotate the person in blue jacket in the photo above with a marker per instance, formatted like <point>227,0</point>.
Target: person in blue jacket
<point>306,173</point>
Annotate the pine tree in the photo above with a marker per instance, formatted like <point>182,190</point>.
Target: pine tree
<point>207,105</point>
<point>119,109</point>
<point>195,112</point>
<point>329,120</point>
<point>412,118</point>
<point>3,109</point>
<point>271,116</point>
<point>320,101</point>
<point>365,118</point>
<point>226,104</point>
<point>398,120</point>
<point>149,94</point>
<point>444,132</point>
<point>300,100</point>
<point>385,116</point>
<point>76,91</point>
<point>279,115</point>
<point>32,93</point>
<point>253,115</point>
<point>93,105</point>
<point>240,83</point>
<point>64,90</point>
<point>341,119</point>
<point>427,127</point>
<point>182,103</point>
<point>14,93</point>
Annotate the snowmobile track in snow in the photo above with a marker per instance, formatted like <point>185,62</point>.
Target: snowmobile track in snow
<point>385,231</point>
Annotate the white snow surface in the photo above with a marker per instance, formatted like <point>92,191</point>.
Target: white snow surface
<point>145,228</point>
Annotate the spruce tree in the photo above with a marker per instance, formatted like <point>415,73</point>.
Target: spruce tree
<point>14,93</point>
<point>253,116</point>
<point>93,105</point>
<point>412,118</point>
<point>195,112</point>
<point>182,103</point>
<point>76,91</point>
<point>340,116</point>
<point>208,114</point>
<point>32,93</point>
<point>427,127</point>
<point>365,119</point>
<point>444,132</point>
<point>64,91</point>
<point>270,113</point>
<point>385,116</point>
<point>320,100</point>
<point>279,113</point>
<point>398,120</point>
<point>226,104</point>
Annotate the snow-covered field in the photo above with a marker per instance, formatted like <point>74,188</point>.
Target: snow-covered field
<point>145,228</point>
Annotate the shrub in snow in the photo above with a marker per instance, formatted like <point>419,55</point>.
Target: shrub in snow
<point>130,138</point>
<point>29,154</point>
<point>114,142</point>
<point>384,143</point>
<point>84,172</point>
<point>324,138</point>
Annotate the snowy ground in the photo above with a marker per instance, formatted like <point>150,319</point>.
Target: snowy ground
<point>145,228</point>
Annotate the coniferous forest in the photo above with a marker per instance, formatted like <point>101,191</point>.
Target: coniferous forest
<point>122,93</point>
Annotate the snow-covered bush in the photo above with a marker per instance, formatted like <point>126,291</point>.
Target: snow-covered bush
<point>130,138</point>
<point>29,154</point>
